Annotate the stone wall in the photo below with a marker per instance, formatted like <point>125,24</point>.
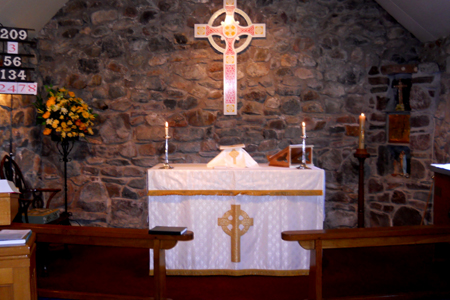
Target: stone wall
<point>439,52</point>
<point>138,64</point>
<point>394,199</point>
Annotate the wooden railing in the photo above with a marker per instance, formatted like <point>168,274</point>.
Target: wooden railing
<point>318,240</point>
<point>112,237</point>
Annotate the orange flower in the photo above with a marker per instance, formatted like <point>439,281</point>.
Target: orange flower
<point>51,101</point>
<point>47,131</point>
<point>46,115</point>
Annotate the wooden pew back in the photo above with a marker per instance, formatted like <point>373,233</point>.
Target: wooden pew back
<point>318,240</point>
<point>112,237</point>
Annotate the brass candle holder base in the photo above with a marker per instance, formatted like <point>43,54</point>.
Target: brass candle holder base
<point>166,166</point>
<point>303,167</point>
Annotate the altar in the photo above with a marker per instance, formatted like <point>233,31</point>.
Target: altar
<point>264,201</point>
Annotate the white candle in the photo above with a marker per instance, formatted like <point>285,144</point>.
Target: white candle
<point>303,129</point>
<point>167,129</point>
<point>362,120</point>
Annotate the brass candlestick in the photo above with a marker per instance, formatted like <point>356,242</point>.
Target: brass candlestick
<point>361,155</point>
<point>303,164</point>
<point>166,160</point>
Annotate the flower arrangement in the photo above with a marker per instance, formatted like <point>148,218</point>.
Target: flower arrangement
<point>65,116</point>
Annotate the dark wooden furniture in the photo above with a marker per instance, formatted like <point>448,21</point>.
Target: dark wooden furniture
<point>441,203</point>
<point>18,271</point>
<point>318,240</point>
<point>29,196</point>
<point>112,237</point>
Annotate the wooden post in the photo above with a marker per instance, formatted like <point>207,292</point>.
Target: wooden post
<point>361,154</point>
<point>315,271</point>
<point>159,267</point>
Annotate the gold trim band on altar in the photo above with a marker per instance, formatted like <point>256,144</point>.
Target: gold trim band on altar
<point>219,272</point>
<point>236,192</point>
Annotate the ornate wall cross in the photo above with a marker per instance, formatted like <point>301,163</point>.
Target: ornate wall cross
<point>235,233</point>
<point>230,31</point>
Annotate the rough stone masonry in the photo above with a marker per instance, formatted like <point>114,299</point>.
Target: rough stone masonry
<point>137,64</point>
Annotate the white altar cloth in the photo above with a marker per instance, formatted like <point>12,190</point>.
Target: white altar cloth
<point>277,199</point>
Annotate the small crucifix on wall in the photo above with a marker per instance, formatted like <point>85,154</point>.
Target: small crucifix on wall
<point>230,31</point>
<point>400,86</point>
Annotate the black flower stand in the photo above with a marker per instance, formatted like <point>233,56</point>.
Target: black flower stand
<point>64,148</point>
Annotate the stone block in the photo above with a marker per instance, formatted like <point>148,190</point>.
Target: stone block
<point>406,216</point>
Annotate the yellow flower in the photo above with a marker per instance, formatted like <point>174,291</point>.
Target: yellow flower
<point>81,134</point>
<point>55,123</point>
<point>71,94</point>
<point>69,134</point>
<point>90,131</point>
<point>61,117</point>
<point>85,114</point>
<point>69,123</point>
<point>62,90</point>
<point>59,129</point>
<point>47,131</point>
<point>63,134</point>
<point>46,115</point>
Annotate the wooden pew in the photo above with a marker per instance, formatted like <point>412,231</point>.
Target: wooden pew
<point>112,237</point>
<point>318,240</point>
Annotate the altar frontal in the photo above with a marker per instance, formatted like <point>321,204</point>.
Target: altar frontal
<point>237,215</point>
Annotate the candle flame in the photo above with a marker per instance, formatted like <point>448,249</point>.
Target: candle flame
<point>303,124</point>
<point>167,124</point>
<point>362,114</point>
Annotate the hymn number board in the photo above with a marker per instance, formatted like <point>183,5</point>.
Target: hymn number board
<point>14,74</point>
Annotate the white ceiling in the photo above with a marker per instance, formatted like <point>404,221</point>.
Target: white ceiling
<point>428,20</point>
<point>31,14</point>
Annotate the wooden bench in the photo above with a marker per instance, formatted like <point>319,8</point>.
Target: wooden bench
<point>112,237</point>
<point>318,240</point>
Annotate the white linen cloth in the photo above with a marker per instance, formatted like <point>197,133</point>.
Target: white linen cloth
<point>233,157</point>
<point>262,248</point>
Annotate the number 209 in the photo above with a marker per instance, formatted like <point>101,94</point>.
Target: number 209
<point>13,34</point>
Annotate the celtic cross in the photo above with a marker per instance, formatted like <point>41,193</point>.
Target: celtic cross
<point>234,154</point>
<point>230,31</point>
<point>235,233</point>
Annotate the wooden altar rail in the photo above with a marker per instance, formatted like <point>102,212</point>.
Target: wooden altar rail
<point>318,240</point>
<point>112,237</point>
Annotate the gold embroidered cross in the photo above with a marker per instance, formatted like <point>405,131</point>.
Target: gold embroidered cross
<point>235,233</point>
<point>233,153</point>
